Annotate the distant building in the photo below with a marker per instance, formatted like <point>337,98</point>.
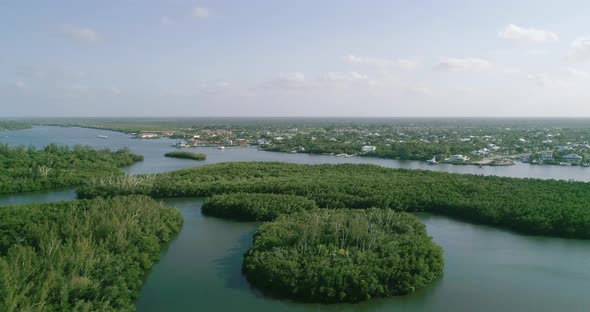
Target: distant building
<point>368,149</point>
<point>458,158</point>
<point>546,156</point>
<point>483,151</point>
<point>262,142</point>
<point>573,158</point>
<point>493,147</point>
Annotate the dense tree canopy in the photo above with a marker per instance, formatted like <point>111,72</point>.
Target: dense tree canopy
<point>543,207</point>
<point>255,206</point>
<point>88,255</point>
<point>186,155</point>
<point>14,125</point>
<point>30,169</point>
<point>342,255</point>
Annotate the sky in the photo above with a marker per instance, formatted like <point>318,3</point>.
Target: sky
<point>372,58</point>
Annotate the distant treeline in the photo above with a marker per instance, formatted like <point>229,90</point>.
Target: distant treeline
<point>14,125</point>
<point>541,207</point>
<point>186,155</point>
<point>80,255</point>
<point>30,169</point>
<point>179,123</point>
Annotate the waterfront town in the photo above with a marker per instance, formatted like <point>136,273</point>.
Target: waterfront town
<point>494,146</point>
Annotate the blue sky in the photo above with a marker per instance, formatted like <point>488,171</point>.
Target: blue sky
<point>294,58</point>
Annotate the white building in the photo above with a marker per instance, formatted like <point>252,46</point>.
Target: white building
<point>262,142</point>
<point>573,158</point>
<point>483,151</point>
<point>493,147</point>
<point>546,156</point>
<point>368,149</point>
<point>458,158</point>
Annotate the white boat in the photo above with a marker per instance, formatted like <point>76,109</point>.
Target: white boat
<point>432,161</point>
<point>102,136</point>
<point>180,144</point>
<point>221,147</point>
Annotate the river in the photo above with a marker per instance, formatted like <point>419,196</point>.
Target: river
<point>486,269</point>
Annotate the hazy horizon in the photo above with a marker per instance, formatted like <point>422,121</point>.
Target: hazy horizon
<point>339,59</point>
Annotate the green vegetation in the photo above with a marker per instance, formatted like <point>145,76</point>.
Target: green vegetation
<point>30,169</point>
<point>14,125</point>
<point>186,155</point>
<point>342,255</point>
<point>88,255</point>
<point>541,207</point>
<point>482,139</point>
<point>255,207</point>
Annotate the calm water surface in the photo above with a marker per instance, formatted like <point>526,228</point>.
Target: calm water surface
<point>486,269</point>
<point>154,150</point>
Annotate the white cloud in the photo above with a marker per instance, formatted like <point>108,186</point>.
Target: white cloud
<point>541,80</point>
<point>20,84</point>
<point>536,52</point>
<point>201,12</point>
<point>577,73</point>
<point>165,20</point>
<point>292,80</point>
<point>382,62</point>
<point>115,90</point>
<point>414,90</point>
<point>80,33</point>
<point>515,32</point>
<point>291,77</point>
<point>463,64</point>
<point>338,76</point>
<point>580,49</point>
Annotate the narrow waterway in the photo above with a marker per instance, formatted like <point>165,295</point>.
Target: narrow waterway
<point>486,269</point>
<point>154,150</point>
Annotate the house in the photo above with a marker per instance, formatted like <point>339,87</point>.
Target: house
<point>368,149</point>
<point>546,156</point>
<point>483,151</point>
<point>262,142</point>
<point>458,158</point>
<point>493,147</point>
<point>573,158</point>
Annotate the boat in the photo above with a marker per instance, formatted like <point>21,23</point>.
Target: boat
<point>180,144</point>
<point>341,155</point>
<point>102,136</point>
<point>221,147</point>
<point>432,161</point>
